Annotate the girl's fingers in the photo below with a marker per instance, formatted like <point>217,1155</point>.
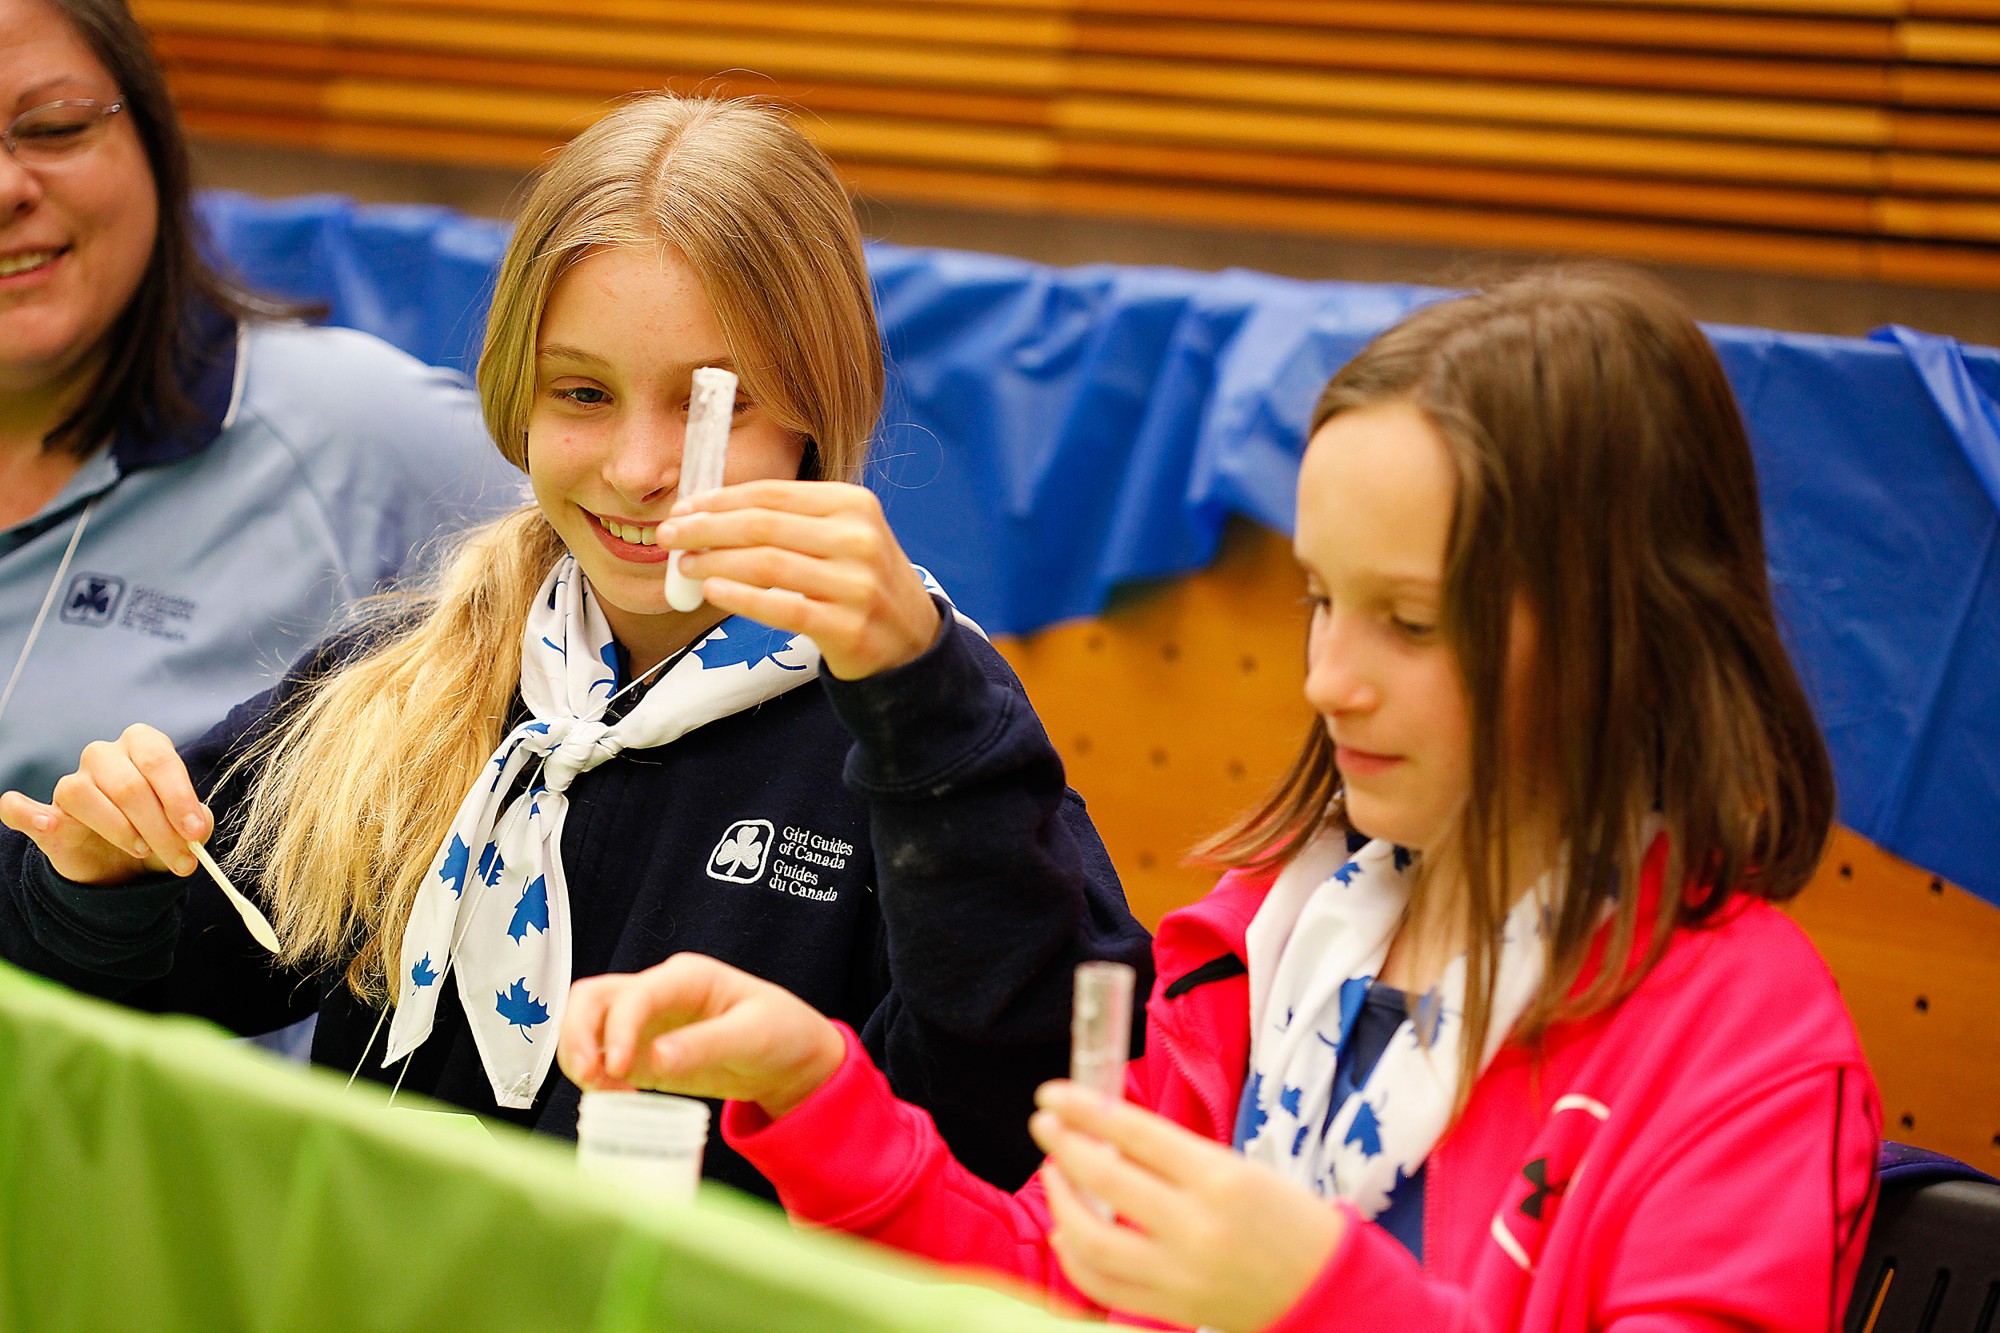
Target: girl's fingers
<point>737,1040</point>
<point>665,996</point>
<point>73,849</point>
<point>831,537</point>
<point>153,754</point>
<point>1178,1156</point>
<point>777,608</point>
<point>78,797</point>
<point>115,774</point>
<point>819,498</point>
<point>580,1046</point>
<point>1133,1192</point>
<point>1113,1265</point>
<point>834,581</point>
<point>24,814</point>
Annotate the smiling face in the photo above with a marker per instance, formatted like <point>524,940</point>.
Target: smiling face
<point>75,236</point>
<point>621,337</point>
<point>1376,493</point>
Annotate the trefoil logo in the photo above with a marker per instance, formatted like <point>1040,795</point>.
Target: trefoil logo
<point>741,855</point>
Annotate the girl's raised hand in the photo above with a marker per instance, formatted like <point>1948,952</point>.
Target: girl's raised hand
<point>129,809</point>
<point>699,1027</point>
<point>812,557</point>
<point>1203,1237</point>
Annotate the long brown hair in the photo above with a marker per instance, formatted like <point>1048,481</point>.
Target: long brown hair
<point>151,346</point>
<point>1604,482</point>
<point>356,788</point>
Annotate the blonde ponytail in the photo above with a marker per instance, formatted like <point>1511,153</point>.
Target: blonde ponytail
<point>356,788</point>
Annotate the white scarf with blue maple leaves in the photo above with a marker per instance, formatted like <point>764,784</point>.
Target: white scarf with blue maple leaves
<point>494,910</point>
<point>1317,941</point>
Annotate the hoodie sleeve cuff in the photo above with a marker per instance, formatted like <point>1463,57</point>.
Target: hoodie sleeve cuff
<point>122,931</point>
<point>918,725</point>
<point>844,1154</point>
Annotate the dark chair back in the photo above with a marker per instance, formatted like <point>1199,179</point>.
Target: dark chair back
<point>1933,1259</point>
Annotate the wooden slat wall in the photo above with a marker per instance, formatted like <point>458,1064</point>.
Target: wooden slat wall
<point>1857,138</point>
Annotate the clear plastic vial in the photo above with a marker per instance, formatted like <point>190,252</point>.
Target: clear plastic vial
<point>652,1141</point>
<point>1100,1028</point>
<point>1100,1037</point>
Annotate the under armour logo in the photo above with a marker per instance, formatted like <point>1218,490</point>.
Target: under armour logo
<point>1537,1174</point>
<point>92,599</point>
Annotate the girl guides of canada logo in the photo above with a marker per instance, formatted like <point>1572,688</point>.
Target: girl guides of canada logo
<point>739,858</point>
<point>794,860</point>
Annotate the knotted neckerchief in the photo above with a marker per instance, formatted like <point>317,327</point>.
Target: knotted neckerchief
<point>1314,946</point>
<point>494,909</point>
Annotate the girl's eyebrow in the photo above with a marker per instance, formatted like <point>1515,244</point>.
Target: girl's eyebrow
<point>565,352</point>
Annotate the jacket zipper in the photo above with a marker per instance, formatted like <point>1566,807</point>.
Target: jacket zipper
<point>1171,1045</point>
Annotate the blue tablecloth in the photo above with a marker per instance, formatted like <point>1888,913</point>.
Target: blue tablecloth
<point>1052,433</point>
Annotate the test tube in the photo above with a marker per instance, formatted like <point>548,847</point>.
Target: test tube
<point>704,455</point>
<point>1100,1037</point>
<point>1100,1028</point>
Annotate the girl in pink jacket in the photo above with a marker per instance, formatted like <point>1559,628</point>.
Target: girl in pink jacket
<point>1494,1025</point>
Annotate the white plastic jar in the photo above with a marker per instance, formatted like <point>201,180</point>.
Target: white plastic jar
<point>652,1141</point>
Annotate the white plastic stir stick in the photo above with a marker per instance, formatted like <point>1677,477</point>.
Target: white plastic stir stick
<point>259,924</point>
<point>704,453</point>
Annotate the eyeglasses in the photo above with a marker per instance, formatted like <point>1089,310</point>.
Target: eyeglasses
<point>54,132</point>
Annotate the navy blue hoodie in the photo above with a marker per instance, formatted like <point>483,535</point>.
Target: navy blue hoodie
<point>931,881</point>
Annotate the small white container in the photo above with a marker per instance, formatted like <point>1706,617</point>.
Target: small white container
<point>652,1141</point>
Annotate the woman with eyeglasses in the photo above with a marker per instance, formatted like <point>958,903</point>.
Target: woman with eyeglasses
<point>192,487</point>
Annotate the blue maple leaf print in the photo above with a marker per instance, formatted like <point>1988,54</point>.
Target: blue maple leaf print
<point>1289,1099</point>
<point>422,974</point>
<point>1352,992</point>
<point>521,1009</point>
<point>1299,1139</point>
<point>532,910</point>
<point>608,654</point>
<point>1366,1131</point>
<point>491,863</point>
<point>503,757</point>
<point>1347,872</point>
<point>452,871</point>
<point>740,642</point>
<point>1250,1119</point>
<point>558,647</point>
<point>1428,1017</point>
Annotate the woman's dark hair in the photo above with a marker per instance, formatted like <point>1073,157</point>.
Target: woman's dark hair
<point>152,343</point>
<point>1605,483</point>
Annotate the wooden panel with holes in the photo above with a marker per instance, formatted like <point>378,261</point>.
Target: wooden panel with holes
<point>1182,705</point>
<point>1853,138</point>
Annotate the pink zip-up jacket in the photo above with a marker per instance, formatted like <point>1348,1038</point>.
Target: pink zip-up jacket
<point>1700,1157</point>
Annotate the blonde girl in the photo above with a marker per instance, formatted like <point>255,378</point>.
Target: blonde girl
<point>1494,1027</point>
<point>538,770</point>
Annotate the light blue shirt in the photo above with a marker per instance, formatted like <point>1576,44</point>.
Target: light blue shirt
<point>339,464</point>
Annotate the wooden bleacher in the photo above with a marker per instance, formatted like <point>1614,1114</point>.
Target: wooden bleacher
<point>1852,138</point>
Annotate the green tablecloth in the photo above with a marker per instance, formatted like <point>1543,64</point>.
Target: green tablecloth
<point>155,1177</point>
